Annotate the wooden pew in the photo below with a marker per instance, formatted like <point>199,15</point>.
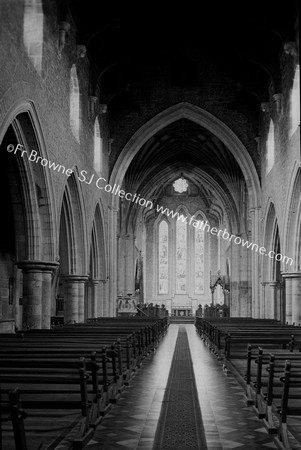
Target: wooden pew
<point>273,391</point>
<point>269,345</point>
<point>290,404</point>
<point>225,336</point>
<point>51,385</point>
<point>112,351</point>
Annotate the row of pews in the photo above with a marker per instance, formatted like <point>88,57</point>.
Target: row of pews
<point>56,385</point>
<point>266,357</point>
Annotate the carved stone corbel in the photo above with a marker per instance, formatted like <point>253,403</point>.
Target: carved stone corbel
<point>265,107</point>
<point>81,51</point>
<point>290,48</point>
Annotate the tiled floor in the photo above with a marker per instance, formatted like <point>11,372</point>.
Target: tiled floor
<point>131,424</point>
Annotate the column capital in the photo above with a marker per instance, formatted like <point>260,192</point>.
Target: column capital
<point>254,209</point>
<point>290,48</point>
<point>75,278</point>
<point>113,209</point>
<point>38,266</point>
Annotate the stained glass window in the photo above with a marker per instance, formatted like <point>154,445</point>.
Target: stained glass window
<point>199,261</point>
<point>163,257</point>
<point>181,257</point>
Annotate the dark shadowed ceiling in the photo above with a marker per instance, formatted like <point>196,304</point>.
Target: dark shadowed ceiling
<point>244,37</point>
<point>133,47</point>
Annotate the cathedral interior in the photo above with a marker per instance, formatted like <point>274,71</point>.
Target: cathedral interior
<point>151,165</point>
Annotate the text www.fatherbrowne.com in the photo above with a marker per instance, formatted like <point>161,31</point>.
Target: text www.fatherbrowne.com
<point>100,183</point>
<point>200,224</point>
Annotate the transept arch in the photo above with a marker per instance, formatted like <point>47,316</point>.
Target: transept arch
<point>72,252</point>
<point>206,120</point>
<point>96,298</point>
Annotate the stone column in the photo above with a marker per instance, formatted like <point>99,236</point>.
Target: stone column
<point>112,262</point>
<point>37,293</point>
<point>296,298</point>
<point>46,298</point>
<point>74,296</point>
<point>256,306</point>
<point>272,307</point>
<point>125,266</point>
<point>129,266</point>
<point>263,300</point>
<point>101,298</point>
<point>282,301</point>
<point>94,298</point>
<point>288,297</point>
<point>81,300</point>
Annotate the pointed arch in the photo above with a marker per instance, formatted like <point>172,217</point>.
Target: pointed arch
<point>270,237</point>
<point>36,238</point>
<point>292,225</point>
<point>72,240</point>
<point>96,300</point>
<point>206,120</point>
<point>28,209</point>
<point>98,248</point>
<point>163,256</point>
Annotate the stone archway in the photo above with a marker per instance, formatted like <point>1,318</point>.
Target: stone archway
<point>96,298</point>
<point>73,253</point>
<point>206,120</point>
<point>272,302</point>
<point>292,232</point>
<point>227,137</point>
<point>33,219</point>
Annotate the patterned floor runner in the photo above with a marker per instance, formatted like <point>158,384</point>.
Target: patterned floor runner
<point>180,426</point>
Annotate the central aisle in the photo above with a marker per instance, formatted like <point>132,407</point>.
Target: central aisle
<point>228,423</point>
<point>181,401</point>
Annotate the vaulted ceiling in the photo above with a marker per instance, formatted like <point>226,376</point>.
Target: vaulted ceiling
<point>180,145</point>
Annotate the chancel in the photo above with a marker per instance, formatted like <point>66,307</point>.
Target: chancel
<point>150,252</point>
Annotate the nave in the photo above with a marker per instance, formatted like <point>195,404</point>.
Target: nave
<point>227,421</point>
<point>151,166</point>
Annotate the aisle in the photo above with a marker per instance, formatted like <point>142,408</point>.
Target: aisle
<point>228,423</point>
<point>132,422</point>
<point>180,423</point>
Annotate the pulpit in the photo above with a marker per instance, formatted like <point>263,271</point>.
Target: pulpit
<point>126,305</point>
